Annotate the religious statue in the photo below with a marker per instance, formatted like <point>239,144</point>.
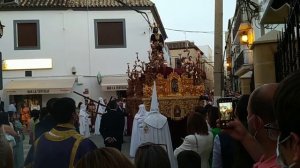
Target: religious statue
<point>174,85</point>
<point>157,40</point>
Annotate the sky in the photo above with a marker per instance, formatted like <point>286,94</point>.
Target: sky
<point>195,15</point>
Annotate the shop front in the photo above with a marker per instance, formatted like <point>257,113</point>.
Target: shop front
<point>30,94</point>
<point>117,84</point>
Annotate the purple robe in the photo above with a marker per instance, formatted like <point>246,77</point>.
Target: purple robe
<point>57,147</point>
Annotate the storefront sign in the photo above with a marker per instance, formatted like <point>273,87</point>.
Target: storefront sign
<point>38,91</point>
<point>45,86</point>
<point>116,87</point>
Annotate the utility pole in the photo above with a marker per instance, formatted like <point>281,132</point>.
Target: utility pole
<point>218,57</point>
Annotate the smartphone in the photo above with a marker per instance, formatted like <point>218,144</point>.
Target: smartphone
<point>226,111</point>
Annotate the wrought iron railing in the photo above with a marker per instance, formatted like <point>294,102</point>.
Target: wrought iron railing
<point>287,57</point>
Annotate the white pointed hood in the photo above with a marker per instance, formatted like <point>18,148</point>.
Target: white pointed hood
<point>154,101</point>
<point>154,118</point>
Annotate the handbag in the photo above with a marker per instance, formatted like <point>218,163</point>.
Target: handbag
<point>9,138</point>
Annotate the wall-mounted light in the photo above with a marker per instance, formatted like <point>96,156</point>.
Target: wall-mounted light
<point>1,29</point>
<point>244,38</point>
<point>246,34</point>
<point>20,64</point>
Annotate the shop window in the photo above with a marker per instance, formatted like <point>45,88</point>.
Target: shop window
<point>26,35</point>
<point>110,33</point>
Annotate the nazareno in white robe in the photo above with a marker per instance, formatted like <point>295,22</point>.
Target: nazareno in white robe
<point>156,128</point>
<point>101,109</point>
<point>137,129</point>
<point>84,128</point>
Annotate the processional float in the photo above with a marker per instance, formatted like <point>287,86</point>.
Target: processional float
<point>178,89</point>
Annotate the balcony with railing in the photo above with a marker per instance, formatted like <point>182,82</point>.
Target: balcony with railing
<point>243,63</point>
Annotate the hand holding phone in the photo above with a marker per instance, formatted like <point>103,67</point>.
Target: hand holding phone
<point>226,111</point>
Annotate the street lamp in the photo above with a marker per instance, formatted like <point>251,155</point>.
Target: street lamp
<point>1,29</point>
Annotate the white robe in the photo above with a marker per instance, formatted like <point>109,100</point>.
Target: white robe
<point>101,109</point>
<point>156,130</point>
<point>137,129</point>
<point>84,127</point>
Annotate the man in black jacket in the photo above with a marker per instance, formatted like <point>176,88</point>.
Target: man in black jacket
<point>112,126</point>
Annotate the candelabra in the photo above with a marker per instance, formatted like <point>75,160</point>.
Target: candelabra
<point>138,68</point>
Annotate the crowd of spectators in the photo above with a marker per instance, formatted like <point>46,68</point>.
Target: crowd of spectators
<point>265,133</point>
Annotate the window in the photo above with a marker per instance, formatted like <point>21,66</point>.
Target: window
<point>110,33</point>
<point>27,34</point>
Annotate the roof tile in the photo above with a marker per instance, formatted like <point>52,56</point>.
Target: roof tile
<point>76,4</point>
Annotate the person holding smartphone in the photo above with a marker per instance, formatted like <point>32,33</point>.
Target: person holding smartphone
<point>258,141</point>
<point>228,152</point>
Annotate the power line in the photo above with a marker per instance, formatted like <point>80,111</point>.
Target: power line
<point>192,31</point>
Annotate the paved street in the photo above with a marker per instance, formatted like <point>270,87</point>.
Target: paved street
<point>97,139</point>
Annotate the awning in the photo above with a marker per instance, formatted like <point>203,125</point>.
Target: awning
<point>274,12</point>
<point>114,83</point>
<point>34,86</point>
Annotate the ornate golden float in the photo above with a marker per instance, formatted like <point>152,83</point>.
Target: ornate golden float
<point>178,89</point>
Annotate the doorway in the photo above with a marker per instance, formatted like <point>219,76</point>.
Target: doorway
<point>32,101</point>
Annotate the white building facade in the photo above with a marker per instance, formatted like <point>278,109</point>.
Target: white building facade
<point>87,46</point>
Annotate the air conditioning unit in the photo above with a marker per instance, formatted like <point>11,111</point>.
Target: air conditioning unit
<point>9,2</point>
